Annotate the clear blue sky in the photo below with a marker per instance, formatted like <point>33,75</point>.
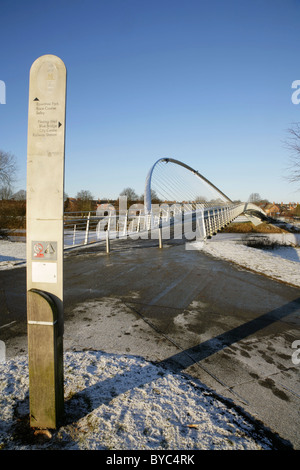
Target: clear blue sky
<point>205,82</point>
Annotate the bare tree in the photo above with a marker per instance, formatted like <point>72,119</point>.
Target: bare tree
<point>85,195</point>
<point>84,200</point>
<point>8,168</point>
<point>293,145</point>
<point>200,199</point>
<point>5,192</point>
<point>254,197</point>
<point>130,194</point>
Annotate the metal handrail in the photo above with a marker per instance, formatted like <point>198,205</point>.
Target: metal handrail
<point>84,227</point>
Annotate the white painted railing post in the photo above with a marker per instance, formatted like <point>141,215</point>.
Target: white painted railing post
<point>74,234</point>
<point>87,230</point>
<point>160,232</point>
<point>149,221</point>
<point>125,224</point>
<point>201,226</point>
<point>107,242</point>
<point>215,222</point>
<point>209,224</point>
<point>138,228</point>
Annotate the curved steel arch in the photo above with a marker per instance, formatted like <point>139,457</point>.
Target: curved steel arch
<point>147,194</point>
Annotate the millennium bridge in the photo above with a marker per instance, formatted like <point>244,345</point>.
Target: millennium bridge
<point>179,203</point>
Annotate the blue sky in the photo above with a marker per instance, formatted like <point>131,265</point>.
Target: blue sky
<point>204,82</point>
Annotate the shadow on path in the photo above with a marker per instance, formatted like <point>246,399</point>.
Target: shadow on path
<point>104,391</point>
<point>202,351</point>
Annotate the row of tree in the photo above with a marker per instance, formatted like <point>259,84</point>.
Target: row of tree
<point>85,201</point>
<point>130,193</point>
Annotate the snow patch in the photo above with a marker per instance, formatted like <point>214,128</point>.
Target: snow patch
<point>12,254</point>
<point>115,402</point>
<point>281,263</point>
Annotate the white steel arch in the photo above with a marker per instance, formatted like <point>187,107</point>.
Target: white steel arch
<point>147,193</point>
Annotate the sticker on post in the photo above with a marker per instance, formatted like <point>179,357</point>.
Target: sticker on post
<point>44,272</point>
<point>44,250</point>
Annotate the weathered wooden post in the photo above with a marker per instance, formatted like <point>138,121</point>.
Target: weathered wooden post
<point>45,198</point>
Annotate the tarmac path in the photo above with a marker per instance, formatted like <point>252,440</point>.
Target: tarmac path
<point>228,327</point>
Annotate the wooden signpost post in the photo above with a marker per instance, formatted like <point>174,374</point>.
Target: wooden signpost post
<point>45,200</point>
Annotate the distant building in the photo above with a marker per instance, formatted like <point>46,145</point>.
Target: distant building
<point>279,209</point>
<point>272,210</point>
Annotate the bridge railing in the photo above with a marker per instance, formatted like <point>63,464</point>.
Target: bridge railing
<point>85,227</point>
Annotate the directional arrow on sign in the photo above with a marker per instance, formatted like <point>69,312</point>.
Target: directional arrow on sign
<point>59,124</point>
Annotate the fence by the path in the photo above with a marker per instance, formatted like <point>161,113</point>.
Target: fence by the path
<point>203,220</point>
<point>82,228</point>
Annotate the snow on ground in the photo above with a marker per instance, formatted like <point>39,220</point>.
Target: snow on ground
<point>280,263</point>
<point>12,254</point>
<point>117,402</point>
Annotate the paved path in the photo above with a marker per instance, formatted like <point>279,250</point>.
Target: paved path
<point>228,327</point>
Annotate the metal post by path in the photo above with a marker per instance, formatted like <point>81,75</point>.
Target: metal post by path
<point>107,242</point>
<point>44,238</point>
<point>160,241</point>
<point>201,227</point>
<point>125,224</point>
<point>74,234</point>
<point>86,238</point>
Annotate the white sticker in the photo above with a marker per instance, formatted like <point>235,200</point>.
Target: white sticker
<point>44,272</point>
